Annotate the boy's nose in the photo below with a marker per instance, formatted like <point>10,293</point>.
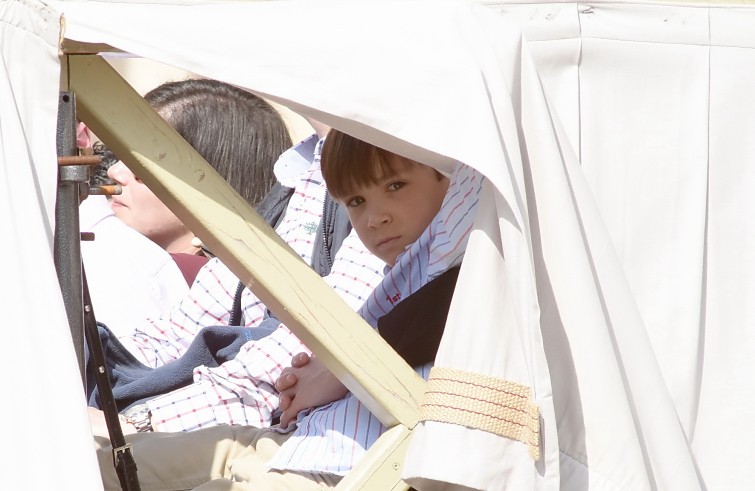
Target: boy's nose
<point>120,173</point>
<point>377,219</point>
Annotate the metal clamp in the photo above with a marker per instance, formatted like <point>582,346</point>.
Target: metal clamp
<point>119,450</point>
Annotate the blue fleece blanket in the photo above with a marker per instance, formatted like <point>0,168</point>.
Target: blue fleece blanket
<point>134,382</point>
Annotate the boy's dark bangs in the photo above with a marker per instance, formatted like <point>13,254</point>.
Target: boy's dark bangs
<point>348,164</point>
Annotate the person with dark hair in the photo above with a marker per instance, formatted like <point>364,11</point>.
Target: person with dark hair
<point>418,222</point>
<point>130,279</point>
<point>238,133</point>
<point>407,199</point>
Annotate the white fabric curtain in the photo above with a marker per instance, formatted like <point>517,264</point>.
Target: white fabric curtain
<point>661,117</point>
<point>608,419</point>
<point>618,288</point>
<point>47,442</point>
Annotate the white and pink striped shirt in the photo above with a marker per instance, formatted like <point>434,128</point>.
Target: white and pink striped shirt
<point>332,438</point>
<point>241,391</point>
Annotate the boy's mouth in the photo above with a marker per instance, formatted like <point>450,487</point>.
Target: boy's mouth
<point>387,240</point>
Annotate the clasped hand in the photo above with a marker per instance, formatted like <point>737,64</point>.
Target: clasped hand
<point>306,384</point>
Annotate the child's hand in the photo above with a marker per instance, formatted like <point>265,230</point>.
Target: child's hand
<point>285,385</point>
<point>305,385</point>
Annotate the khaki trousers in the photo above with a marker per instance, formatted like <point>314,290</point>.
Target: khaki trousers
<point>228,458</point>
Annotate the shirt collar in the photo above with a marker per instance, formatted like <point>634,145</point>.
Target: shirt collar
<point>295,161</point>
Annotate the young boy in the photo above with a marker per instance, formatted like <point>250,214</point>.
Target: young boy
<point>390,204</point>
<point>415,219</point>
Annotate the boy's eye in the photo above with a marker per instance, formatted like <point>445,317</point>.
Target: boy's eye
<point>395,186</point>
<point>355,201</point>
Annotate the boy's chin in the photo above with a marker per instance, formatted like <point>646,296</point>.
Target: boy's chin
<point>389,260</point>
<point>390,263</point>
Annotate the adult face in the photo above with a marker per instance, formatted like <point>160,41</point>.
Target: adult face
<point>140,209</point>
<point>392,213</point>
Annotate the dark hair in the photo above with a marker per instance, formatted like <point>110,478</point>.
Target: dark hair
<point>348,163</point>
<point>240,134</point>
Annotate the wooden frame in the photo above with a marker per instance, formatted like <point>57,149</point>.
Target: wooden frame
<point>204,201</point>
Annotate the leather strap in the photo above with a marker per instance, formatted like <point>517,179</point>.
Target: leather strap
<point>123,460</point>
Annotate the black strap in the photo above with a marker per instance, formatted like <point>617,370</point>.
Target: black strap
<point>123,460</point>
<point>236,311</point>
<point>333,228</point>
<point>272,209</point>
<point>273,206</point>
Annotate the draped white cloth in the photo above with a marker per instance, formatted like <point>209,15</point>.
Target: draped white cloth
<point>46,441</point>
<point>130,278</point>
<point>663,109</point>
<point>617,290</point>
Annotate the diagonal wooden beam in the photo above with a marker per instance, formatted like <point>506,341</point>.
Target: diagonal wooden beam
<point>70,47</point>
<point>203,200</point>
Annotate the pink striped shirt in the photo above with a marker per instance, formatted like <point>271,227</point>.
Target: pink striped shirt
<point>332,438</point>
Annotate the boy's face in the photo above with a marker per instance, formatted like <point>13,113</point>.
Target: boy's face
<point>392,214</point>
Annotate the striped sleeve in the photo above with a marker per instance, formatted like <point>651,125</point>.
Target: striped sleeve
<point>239,392</point>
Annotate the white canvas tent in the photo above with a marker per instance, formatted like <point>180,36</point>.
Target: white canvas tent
<point>614,244</point>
